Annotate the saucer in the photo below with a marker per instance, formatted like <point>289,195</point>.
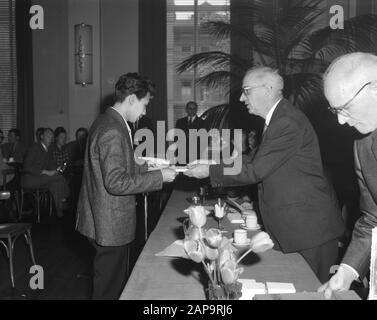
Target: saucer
<point>241,245</point>
<point>243,226</point>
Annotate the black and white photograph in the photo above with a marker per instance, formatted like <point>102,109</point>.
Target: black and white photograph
<point>188,150</point>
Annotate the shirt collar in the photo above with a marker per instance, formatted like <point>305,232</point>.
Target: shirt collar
<point>125,121</point>
<point>271,112</point>
<point>44,147</point>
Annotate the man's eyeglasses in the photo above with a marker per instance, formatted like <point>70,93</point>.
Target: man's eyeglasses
<point>246,90</point>
<point>343,108</point>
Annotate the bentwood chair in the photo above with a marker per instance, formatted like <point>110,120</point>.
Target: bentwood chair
<point>9,233</point>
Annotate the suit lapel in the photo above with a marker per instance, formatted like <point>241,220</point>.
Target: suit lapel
<point>374,144</point>
<point>116,115</point>
<point>279,110</point>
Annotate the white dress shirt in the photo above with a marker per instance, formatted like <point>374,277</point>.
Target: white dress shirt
<point>125,121</point>
<point>271,112</point>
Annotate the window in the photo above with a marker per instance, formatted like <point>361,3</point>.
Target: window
<point>186,49</point>
<point>185,36</point>
<point>186,90</point>
<point>8,71</point>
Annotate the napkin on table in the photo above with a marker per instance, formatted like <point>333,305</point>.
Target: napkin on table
<point>234,217</point>
<point>174,250</point>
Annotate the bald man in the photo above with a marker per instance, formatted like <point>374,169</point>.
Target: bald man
<point>297,203</point>
<point>350,85</point>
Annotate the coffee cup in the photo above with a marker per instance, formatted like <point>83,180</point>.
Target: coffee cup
<point>251,222</point>
<point>11,159</point>
<point>240,236</point>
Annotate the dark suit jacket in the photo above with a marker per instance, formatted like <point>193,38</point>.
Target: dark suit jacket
<point>182,124</point>
<point>358,252</point>
<point>297,203</point>
<point>197,124</point>
<point>37,159</point>
<point>106,208</point>
<point>17,151</point>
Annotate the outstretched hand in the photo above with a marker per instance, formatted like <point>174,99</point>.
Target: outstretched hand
<point>198,171</point>
<point>168,174</point>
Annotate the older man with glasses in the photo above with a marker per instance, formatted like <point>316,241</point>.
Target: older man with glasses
<point>298,205</point>
<point>350,85</point>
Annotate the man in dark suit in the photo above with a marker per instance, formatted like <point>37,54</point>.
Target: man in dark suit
<point>106,210</point>
<point>297,203</point>
<point>14,150</point>
<point>40,170</point>
<point>191,121</point>
<point>350,86</point>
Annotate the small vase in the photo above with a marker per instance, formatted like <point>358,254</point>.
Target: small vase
<point>224,292</point>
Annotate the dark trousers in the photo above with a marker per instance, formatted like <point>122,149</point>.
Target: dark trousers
<point>321,258</point>
<point>111,271</point>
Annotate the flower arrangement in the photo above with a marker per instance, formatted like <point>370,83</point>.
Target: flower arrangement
<point>217,254</point>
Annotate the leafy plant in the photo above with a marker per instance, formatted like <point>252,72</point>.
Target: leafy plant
<point>283,35</point>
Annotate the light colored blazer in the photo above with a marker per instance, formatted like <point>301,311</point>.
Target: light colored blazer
<point>111,178</point>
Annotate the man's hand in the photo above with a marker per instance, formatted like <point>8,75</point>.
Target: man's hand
<point>168,175</point>
<point>199,171</point>
<point>50,173</point>
<point>340,281</point>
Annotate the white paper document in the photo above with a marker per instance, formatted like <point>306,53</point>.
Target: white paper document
<point>280,287</point>
<point>250,288</point>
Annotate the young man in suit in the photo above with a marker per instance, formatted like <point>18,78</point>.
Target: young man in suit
<point>106,211</point>
<point>350,85</point>
<point>297,203</point>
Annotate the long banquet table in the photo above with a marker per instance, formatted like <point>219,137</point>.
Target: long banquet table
<point>157,278</point>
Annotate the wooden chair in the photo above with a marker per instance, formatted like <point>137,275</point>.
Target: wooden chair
<point>10,232</point>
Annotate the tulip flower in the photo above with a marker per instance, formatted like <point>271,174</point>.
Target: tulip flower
<point>195,250</point>
<point>226,255</point>
<point>230,272</point>
<point>219,211</point>
<point>213,237</point>
<point>193,233</point>
<point>261,242</point>
<point>211,254</point>
<point>198,216</point>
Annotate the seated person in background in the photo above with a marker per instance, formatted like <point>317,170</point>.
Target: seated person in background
<point>59,151</point>
<point>4,178</point>
<point>38,134</point>
<point>40,171</point>
<point>76,148</point>
<point>14,151</point>
<point>1,137</point>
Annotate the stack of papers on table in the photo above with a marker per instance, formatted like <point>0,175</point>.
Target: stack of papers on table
<point>235,217</point>
<point>250,288</point>
<point>280,287</point>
